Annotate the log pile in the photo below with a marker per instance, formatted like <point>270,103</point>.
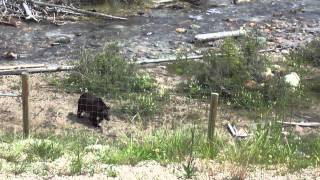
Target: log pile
<point>12,11</point>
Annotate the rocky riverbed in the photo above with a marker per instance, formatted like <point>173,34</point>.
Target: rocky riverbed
<point>153,33</point>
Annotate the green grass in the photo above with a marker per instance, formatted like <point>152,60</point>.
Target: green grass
<point>45,149</point>
<point>267,147</point>
<point>163,146</point>
<point>76,166</point>
<point>308,54</point>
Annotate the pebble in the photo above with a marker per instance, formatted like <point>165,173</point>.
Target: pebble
<point>181,30</point>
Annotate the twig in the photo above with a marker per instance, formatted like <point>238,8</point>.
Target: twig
<point>163,60</point>
<point>28,12</point>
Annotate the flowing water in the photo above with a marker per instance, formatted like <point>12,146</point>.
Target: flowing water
<point>151,35</point>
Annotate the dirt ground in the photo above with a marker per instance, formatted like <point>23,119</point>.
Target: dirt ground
<point>53,109</point>
<point>205,170</point>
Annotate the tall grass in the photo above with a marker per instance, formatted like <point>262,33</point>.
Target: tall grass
<point>163,146</point>
<point>267,146</point>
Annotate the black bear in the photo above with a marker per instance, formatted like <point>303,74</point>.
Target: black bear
<point>95,107</point>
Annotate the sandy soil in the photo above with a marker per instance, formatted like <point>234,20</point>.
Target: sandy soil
<point>51,108</point>
<point>205,170</point>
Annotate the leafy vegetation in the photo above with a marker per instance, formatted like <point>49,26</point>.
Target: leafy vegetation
<point>45,149</point>
<point>106,73</point>
<point>189,168</point>
<point>238,73</point>
<point>110,75</point>
<point>267,146</point>
<point>309,54</point>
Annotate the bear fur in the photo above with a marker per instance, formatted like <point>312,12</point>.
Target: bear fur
<point>94,107</point>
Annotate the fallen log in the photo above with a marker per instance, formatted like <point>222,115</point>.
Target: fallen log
<point>90,13</point>
<point>37,70</point>
<point>219,35</point>
<point>163,60</point>
<point>302,124</point>
<point>8,23</point>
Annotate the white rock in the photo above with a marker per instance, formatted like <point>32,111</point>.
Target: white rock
<point>242,1</point>
<point>292,79</point>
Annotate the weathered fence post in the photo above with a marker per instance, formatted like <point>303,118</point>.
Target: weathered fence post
<point>212,115</point>
<point>25,102</point>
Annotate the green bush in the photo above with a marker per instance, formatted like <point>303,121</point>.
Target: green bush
<point>227,71</point>
<point>144,104</point>
<point>143,83</point>
<point>141,104</point>
<point>309,54</point>
<point>107,73</point>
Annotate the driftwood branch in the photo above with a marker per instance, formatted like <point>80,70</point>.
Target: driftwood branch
<point>163,60</point>
<point>28,12</point>
<point>302,124</point>
<point>96,14</point>
<point>219,35</point>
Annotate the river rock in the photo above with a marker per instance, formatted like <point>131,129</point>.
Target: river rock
<point>58,37</point>
<point>241,1</point>
<point>62,40</point>
<point>181,30</point>
<point>292,79</point>
<point>262,40</point>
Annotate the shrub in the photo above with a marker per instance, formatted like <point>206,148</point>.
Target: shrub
<point>144,104</point>
<point>141,104</point>
<point>309,54</point>
<point>143,83</point>
<point>227,71</point>
<point>107,73</point>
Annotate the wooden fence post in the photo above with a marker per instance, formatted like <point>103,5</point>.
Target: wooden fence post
<point>25,102</point>
<point>212,115</point>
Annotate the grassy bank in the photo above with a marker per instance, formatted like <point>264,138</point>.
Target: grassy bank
<point>84,152</point>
